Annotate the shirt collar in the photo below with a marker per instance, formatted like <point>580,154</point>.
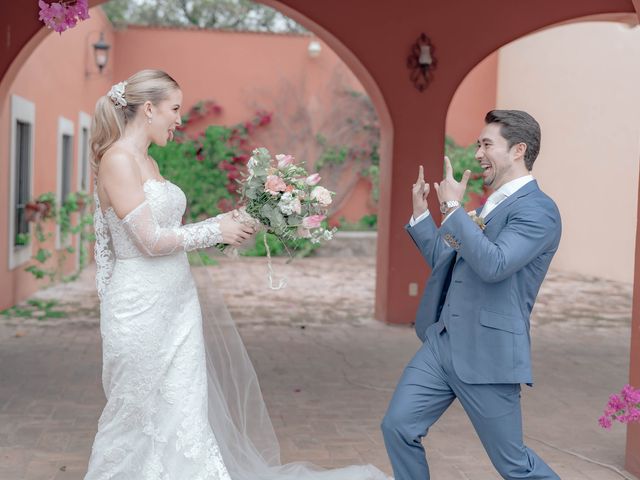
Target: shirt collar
<point>513,186</point>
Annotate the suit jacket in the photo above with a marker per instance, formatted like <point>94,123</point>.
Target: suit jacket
<point>483,284</point>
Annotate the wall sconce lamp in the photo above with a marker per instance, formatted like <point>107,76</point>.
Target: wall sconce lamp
<point>101,52</point>
<point>421,62</point>
<point>314,48</point>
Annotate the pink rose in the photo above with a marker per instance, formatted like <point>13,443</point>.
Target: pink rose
<point>284,160</point>
<point>313,179</point>
<point>313,221</point>
<point>274,184</point>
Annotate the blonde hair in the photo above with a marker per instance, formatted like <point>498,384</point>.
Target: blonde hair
<point>110,120</point>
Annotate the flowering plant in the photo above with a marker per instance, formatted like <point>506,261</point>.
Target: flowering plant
<point>284,198</point>
<point>625,407</point>
<point>63,14</point>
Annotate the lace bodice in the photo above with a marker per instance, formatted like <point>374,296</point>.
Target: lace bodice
<point>167,203</point>
<point>153,228</point>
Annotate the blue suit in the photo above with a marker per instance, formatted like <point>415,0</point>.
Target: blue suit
<point>473,320</point>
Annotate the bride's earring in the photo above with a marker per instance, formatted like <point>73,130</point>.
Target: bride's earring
<point>149,119</point>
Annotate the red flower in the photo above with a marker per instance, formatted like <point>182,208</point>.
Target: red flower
<point>242,159</point>
<point>263,118</point>
<point>233,174</point>
<point>225,204</point>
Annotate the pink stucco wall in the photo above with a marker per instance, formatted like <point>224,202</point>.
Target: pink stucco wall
<point>54,79</point>
<point>246,72</point>
<point>475,96</point>
<point>243,72</point>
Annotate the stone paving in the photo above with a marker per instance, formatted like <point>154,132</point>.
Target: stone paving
<point>327,370</point>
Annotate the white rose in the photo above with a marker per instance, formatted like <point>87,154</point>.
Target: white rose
<point>289,205</point>
<point>327,235</point>
<point>297,206</point>
<point>322,196</point>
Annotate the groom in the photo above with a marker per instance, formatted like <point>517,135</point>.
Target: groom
<point>473,318</point>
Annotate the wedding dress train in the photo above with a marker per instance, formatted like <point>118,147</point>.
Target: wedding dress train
<point>183,401</point>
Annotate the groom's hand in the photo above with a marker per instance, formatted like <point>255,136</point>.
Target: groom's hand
<point>449,189</point>
<point>419,192</point>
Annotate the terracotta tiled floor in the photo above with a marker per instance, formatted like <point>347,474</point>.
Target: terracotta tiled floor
<point>327,370</point>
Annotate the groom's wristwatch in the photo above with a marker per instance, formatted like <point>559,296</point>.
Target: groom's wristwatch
<point>448,205</point>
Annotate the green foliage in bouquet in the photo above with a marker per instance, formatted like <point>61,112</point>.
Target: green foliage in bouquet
<point>283,200</point>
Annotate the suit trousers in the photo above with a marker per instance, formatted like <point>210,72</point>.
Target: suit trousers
<point>427,387</point>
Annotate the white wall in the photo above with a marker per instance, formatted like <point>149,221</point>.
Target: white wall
<point>582,83</point>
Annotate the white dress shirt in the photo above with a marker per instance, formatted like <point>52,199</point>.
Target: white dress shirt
<point>494,199</point>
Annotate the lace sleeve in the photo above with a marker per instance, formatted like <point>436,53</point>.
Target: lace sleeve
<point>154,240</point>
<point>103,249</point>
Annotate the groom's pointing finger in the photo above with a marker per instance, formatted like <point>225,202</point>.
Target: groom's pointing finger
<point>465,178</point>
<point>448,170</point>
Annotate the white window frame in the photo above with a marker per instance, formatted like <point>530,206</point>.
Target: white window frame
<point>84,121</point>
<point>65,127</point>
<point>22,110</point>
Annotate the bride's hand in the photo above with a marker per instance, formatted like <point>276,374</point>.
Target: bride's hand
<point>233,232</point>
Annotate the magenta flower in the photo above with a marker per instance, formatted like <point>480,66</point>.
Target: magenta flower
<point>59,16</point>
<point>630,394</point>
<point>615,403</point>
<point>82,9</point>
<point>605,422</point>
<point>624,408</point>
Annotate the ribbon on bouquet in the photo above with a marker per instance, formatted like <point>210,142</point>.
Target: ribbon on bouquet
<point>243,217</point>
<point>283,281</point>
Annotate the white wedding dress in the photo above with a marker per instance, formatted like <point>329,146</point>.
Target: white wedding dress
<point>183,401</point>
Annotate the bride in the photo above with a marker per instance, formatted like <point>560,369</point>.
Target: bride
<point>183,401</point>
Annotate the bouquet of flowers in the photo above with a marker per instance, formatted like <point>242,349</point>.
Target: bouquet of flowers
<point>284,199</point>
<point>625,407</point>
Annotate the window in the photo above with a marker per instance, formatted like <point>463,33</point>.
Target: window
<point>23,115</point>
<point>84,167</point>
<point>23,182</point>
<point>65,168</point>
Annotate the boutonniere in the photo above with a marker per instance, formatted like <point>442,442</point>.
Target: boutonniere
<point>477,219</point>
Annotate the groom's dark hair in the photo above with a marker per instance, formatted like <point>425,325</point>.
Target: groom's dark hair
<point>517,126</point>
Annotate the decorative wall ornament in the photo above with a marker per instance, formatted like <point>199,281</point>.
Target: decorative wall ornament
<point>421,62</point>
